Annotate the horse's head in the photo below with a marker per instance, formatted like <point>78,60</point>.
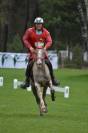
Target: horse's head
<point>40,56</point>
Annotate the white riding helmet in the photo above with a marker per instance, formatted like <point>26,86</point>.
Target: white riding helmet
<point>38,20</point>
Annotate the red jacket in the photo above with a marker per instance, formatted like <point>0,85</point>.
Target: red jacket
<point>30,38</point>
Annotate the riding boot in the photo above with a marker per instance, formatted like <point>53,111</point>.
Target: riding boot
<point>54,81</point>
<point>28,75</point>
<point>26,83</point>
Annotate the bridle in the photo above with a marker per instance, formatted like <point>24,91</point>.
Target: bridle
<point>40,56</point>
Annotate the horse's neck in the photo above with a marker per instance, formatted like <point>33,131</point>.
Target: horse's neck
<point>42,74</point>
<point>42,68</point>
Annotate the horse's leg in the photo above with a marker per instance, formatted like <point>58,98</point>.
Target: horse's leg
<point>34,90</point>
<point>44,96</point>
<point>52,91</point>
<point>35,94</point>
<point>40,95</point>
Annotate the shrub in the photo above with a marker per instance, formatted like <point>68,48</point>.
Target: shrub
<point>77,56</point>
<point>16,45</point>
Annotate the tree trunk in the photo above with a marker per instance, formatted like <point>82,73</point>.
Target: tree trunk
<point>83,10</point>
<point>86,6</point>
<point>1,47</point>
<point>5,38</point>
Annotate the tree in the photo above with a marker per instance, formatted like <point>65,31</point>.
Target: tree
<point>83,10</point>
<point>15,16</point>
<point>62,19</point>
<point>67,21</point>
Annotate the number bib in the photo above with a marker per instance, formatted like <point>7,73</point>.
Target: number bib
<point>39,44</point>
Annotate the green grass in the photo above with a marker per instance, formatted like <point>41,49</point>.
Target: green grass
<point>19,112</point>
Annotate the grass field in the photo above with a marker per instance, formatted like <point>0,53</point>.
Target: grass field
<point>19,112</point>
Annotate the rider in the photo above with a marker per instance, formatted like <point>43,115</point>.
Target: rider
<point>32,36</point>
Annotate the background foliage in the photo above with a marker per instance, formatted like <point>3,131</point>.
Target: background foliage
<point>67,21</point>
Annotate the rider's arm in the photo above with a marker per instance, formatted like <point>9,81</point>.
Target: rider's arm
<point>48,41</point>
<point>26,39</point>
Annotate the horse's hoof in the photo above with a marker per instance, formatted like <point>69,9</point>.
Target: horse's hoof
<point>41,114</point>
<point>46,110</point>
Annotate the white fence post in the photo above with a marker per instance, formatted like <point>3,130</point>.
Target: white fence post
<point>15,83</point>
<point>1,81</point>
<point>66,92</point>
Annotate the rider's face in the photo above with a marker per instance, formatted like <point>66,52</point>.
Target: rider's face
<point>38,26</point>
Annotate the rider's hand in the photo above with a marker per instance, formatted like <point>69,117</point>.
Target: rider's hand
<point>46,51</point>
<point>32,49</point>
<point>45,48</point>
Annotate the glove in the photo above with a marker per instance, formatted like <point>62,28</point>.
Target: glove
<point>32,50</point>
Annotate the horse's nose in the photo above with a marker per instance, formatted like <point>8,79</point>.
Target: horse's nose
<point>39,62</point>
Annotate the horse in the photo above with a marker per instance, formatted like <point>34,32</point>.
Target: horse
<point>41,80</point>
